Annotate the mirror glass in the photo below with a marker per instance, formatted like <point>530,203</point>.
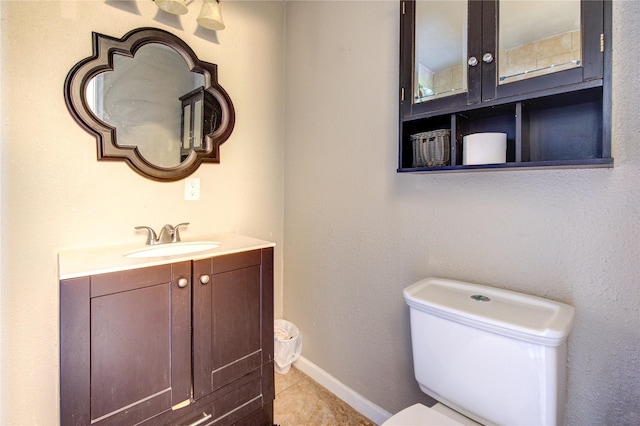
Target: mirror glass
<point>537,38</point>
<point>143,99</point>
<point>441,49</point>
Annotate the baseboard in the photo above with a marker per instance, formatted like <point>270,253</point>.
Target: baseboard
<point>340,390</point>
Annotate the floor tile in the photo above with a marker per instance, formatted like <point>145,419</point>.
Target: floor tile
<point>300,401</point>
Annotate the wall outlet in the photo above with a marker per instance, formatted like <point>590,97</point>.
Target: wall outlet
<point>192,189</point>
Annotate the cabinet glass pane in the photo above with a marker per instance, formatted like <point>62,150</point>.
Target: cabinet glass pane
<point>537,38</point>
<point>186,127</point>
<point>441,49</point>
<point>197,124</point>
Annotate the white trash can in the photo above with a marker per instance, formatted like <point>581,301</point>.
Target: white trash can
<point>287,345</point>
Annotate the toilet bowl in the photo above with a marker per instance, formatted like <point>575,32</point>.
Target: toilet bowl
<point>421,415</point>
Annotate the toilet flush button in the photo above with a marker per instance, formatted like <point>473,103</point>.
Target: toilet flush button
<point>480,298</point>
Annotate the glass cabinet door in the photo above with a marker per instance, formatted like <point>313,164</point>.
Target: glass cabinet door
<point>458,53</point>
<point>537,38</point>
<point>437,37</point>
<point>440,49</point>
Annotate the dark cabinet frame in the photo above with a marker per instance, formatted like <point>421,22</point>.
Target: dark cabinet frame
<point>558,120</point>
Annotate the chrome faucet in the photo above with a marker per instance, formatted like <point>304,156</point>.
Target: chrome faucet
<point>168,234</point>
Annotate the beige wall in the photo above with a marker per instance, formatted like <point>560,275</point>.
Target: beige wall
<point>356,232</point>
<point>56,195</point>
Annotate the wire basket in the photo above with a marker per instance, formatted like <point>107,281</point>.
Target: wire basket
<point>431,149</point>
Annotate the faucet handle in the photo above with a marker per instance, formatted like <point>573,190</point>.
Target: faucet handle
<point>176,233</point>
<point>151,235</point>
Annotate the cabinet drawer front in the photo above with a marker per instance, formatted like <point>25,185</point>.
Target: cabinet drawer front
<point>237,404</point>
<point>227,405</point>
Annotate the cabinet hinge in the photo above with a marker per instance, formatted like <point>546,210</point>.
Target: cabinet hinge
<point>402,94</point>
<point>601,43</point>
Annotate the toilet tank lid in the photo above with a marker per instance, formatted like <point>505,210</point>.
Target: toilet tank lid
<point>521,316</point>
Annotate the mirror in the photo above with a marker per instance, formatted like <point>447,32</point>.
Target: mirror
<point>150,102</point>
<point>537,38</point>
<point>441,49</point>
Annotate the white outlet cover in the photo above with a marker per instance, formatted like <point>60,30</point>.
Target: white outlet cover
<point>192,189</point>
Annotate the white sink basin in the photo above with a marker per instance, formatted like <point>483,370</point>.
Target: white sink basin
<point>173,249</point>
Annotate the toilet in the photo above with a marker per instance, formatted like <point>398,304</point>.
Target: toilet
<point>488,356</point>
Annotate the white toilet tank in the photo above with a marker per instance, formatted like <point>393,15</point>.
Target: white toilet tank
<point>494,355</point>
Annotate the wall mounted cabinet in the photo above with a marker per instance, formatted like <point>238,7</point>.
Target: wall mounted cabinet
<point>505,66</point>
<point>201,116</point>
<point>180,343</point>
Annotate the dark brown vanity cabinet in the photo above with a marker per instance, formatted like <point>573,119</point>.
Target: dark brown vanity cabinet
<point>183,343</point>
<point>537,71</point>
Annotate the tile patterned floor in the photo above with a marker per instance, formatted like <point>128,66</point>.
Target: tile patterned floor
<point>300,401</point>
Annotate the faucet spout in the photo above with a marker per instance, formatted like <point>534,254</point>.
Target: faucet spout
<point>167,234</point>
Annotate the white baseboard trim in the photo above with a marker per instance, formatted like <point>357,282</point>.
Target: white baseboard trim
<point>362,405</point>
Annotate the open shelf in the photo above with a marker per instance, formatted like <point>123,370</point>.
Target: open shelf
<point>565,130</point>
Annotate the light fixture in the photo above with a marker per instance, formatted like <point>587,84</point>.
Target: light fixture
<point>175,7</point>
<point>210,15</point>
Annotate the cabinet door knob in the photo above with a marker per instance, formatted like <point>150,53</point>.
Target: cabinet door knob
<point>473,61</point>
<point>488,58</point>
<point>183,282</point>
<point>204,279</point>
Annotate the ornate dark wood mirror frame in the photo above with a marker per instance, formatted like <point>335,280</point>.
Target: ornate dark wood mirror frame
<point>104,49</point>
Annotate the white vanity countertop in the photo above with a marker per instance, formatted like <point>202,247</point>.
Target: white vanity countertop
<point>101,260</point>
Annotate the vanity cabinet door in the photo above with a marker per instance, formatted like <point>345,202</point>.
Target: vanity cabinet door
<point>227,319</point>
<point>125,345</point>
